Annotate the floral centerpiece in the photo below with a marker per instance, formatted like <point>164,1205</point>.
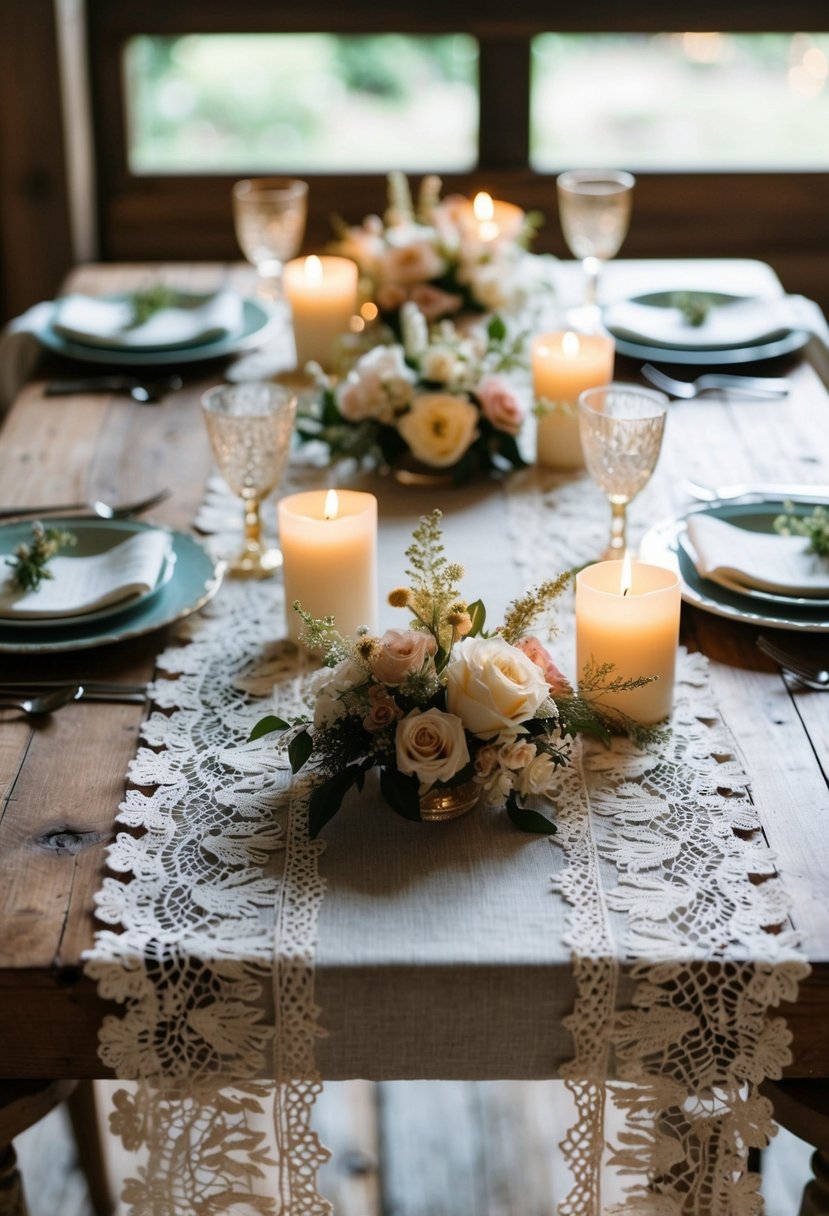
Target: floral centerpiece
<point>443,702</point>
<point>437,253</point>
<point>438,400</point>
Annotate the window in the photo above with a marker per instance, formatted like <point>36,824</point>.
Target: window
<point>299,103</point>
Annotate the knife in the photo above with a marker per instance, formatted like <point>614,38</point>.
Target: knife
<point>125,694</point>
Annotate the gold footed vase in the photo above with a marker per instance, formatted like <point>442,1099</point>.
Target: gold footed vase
<point>440,804</point>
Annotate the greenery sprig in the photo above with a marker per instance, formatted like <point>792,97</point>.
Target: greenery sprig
<point>815,527</point>
<point>30,561</point>
<point>147,302</point>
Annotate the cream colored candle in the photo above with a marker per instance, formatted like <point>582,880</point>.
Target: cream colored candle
<point>564,364</point>
<point>329,549</point>
<point>494,218</point>
<point>322,293</point>
<point>637,632</point>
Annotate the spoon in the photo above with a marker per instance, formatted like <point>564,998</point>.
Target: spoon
<point>146,391</point>
<point>47,703</point>
<point>103,510</point>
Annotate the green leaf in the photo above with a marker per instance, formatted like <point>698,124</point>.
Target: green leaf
<point>477,614</point>
<point>327,798</point>
<point>508,448</point>
<point>496,329</point>
<point>299,749</point>
<point>528,820</point>
<point>266,726</point>
<point>401,792</point>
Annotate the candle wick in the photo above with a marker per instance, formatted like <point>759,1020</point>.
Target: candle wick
<point>624,593</point>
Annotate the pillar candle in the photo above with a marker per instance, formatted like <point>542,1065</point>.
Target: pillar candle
<point>329,550</point>
<point>637,632</point>
<point>564,364</point>
<point>322,293</point>
<point>493,218</point>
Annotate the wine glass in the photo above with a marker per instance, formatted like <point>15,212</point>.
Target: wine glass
<point>621,427</point>
<point>594,207</point>
<point>269,214</point>
<point>250,428</point>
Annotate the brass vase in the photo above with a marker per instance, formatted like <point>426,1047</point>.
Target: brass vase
<point>440,803</point>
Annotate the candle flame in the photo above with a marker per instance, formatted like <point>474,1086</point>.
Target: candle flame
<point>570,345</point>
<point>332,505</point>
<point>627,575</point>
<point>313,270</point>
<point>482,207</point>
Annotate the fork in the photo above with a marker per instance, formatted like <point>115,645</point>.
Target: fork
<point>748,386</point>
<point>812,674</point>
<point>44,704</point>
<point>103,510</point>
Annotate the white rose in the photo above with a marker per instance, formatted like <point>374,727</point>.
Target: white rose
<point>328,687</point>
<point>538,776</point>
<point>380,383</point>
<point>431,746</point>
<point>439,428</point>
<point>493,687</point>
<point>438,364</point>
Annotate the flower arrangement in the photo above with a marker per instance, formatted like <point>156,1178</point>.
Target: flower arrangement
<point>437,254</point>
<point>439,398</point>
<point>443,702</point>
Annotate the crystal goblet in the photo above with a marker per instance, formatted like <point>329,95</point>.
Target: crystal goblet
<point>594,207</point>
<point>621,428</point>
<point>269,215</point>
<point>250,428</point>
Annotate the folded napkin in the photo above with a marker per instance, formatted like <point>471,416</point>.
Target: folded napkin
<point>85,584</point>
<point>189,320</point>
<point>735,556</point>
<point>739,322</point>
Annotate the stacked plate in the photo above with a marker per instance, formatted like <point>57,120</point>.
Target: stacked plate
<point>775,584</point>
<point>181,327</point>
<point>119,580</point>
<point>706,328</point>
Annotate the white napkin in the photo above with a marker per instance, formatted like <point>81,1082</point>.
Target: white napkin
<point>191,320</point>
<point>85,584</point>
<point>779,564</point>
<point>20,351</point>
<point>739,323</point>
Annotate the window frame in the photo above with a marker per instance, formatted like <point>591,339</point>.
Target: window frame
<point>779,216</point>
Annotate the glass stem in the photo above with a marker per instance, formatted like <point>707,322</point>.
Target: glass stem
<point>253,526</point>
<point>618,524</point>
<point>591,267</point>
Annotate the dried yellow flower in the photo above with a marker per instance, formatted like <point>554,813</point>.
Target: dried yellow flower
<point>400,597</point>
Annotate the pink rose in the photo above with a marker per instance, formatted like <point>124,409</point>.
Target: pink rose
<point>416,262</point>
<point>431,746</point>
<point>390,296</point>
<point>435,303</point>
<point>499,404</point>
<point>401,652</point>
<point>559,685</point>
<point>383,712</point>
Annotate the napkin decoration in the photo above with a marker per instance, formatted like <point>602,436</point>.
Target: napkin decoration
<point>189,320</point>
<point>736,557</point>
<point>85,584</point>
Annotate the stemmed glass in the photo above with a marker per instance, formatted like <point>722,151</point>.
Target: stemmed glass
<point>250,428</point>
<point>621,427</point>
<point>594,207</point>
<point>269,215</point>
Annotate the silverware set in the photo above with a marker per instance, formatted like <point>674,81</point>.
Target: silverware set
<point>103,510</point>
<point>147,392</point>
<point>44,696</point>
<point>811,673</point>
<point>715,382</point>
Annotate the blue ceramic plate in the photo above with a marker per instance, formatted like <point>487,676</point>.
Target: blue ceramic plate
<point>193,581</point>
<point>664,546</point>
<point>256,321</point>
<point>93,536</point>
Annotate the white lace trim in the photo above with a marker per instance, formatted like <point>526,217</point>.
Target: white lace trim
<point>666,862</point>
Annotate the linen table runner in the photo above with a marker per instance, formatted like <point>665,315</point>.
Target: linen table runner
<point>218,905</point>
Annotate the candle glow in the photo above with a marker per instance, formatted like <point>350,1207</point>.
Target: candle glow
<point>332,505</point>
<point>627,575</point>
<point>313,270</point>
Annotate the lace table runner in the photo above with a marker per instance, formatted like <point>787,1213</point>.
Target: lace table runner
<point>215,893</point>
<point>666,865</point>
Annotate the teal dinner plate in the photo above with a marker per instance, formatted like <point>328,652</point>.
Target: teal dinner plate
<point>93,536</point>
<point>256,321</point>
<point>664,545</point>
<point>194,579</point>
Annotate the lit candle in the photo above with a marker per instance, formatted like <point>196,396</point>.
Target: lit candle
<point>329,550</point>
<point>493,218</point>
<point>322,293</point>
<point>627,614</point>
<point>564,365</point>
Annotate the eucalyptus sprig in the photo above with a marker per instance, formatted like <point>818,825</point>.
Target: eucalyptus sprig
<point>29,563</point>
<point>815,527</point>
<point>147,302</point>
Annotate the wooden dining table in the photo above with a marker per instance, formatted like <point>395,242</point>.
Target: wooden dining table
<point>63,776</point>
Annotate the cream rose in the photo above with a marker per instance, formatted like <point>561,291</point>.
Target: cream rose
<point>409,264</point>
<point>439,428</point>
<point>379,384</point>
<point>493,687</point>
<point>400,652</point>
<point>431,746</point>
<point>538,776</point>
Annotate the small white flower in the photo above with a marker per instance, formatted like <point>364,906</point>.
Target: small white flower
<point>415,330</point>
<point>539,776</point>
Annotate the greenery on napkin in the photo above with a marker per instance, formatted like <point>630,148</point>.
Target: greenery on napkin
<point>149,301</point>
<point>815,527</point>
<point>694,306</point>
<point>29,564</point>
